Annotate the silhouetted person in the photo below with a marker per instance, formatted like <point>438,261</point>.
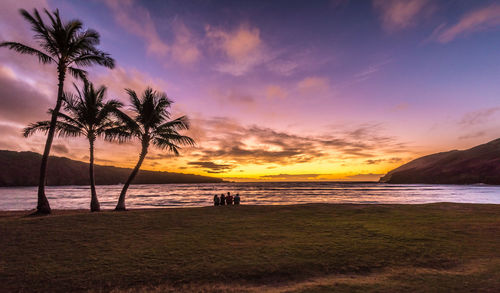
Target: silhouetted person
<point>216,200</point>
<point>222,199</point>
<point>229,199</point>
<point>237,199</point>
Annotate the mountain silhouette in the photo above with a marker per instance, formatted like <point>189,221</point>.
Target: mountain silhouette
<point>480,164</point>
<point>22,169</point>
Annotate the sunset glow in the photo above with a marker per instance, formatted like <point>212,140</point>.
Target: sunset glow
<point>278,90</point>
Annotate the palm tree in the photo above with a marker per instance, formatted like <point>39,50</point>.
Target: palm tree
<point>68,46</point>
<point>89,116</point>
<point>151,124</point>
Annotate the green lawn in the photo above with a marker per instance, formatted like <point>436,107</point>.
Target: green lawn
<point>301,248</point>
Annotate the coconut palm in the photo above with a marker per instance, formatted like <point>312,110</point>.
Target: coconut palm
<point>151,124</point>
<point>87,115</point>
<point>70,47</point>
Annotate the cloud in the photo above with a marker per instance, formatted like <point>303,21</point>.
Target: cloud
<point>233,97</point>
<point>365,177</point>
<point>212,167</point>
<point>371,70</point>
<point>242,48</point>
<point>478,20</point>
<point>478,117</point>
<point>313,84</point>
<point>400,107</point>
<point>138,21</point>
<point>378,161</point>
<point>397,15</point>
<point>119,78</point>
<point>282,67</point>
<point>19,101</point>
<point>60,149</point>
<point>275,92</point>
<point>237,44</point>
<point>184,48</point>
<point>11,136</point>
<point>472,135</point>
<point>291,176</point>
<point>241,145</point>
<point>374,162</point>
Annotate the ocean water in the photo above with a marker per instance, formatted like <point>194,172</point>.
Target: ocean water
<point>262,193</point>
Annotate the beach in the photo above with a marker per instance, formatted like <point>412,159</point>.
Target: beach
<point>288,248</point>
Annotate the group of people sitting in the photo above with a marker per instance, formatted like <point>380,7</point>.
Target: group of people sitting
<point>226,200</point>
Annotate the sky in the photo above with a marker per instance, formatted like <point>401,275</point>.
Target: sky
<point>277,90</point>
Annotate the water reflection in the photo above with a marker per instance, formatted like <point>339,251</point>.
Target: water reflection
<point>266,193</point>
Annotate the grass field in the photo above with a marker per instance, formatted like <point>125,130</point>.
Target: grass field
<point>302,248</point>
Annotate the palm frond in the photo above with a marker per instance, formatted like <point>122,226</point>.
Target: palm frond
<point>101,128</point>
<point>23,49</point>
<point>109,108</point>
<point>176,138</point>
<point>94,57</point>
<point>42,33</point>
<point>84,41</point>
<point>181,123</point>
<point>119,133</point>
<point>62,129</point>
<point>56,21</point>
<point>69,120</point>
<point>136,103</point>
<point>72,27</point>
<point>37,24</point>
<point>127,121</point>
<point>41,126</point>
<point>166,144</point>
<point>78,73</point>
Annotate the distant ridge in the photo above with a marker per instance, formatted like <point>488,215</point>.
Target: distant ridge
<point>480,164</point>
<point>22,168</point>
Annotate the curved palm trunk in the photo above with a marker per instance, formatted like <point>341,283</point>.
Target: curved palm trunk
<point>43,206</point>
<point>121,201</point>
<point>94,202</point>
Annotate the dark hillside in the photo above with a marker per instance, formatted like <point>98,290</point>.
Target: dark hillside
<point>21,169</point>
<point>480,164</point>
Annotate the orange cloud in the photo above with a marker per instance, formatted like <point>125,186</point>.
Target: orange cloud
<point>242,47</point>
<point>237,44</point>
<point>313,84</point>
<point>184,48</point>
<point>365,177</point>
<point>478,20</point>
<point>479,116</point>
<point>275,92</point>
<point>400,14</point>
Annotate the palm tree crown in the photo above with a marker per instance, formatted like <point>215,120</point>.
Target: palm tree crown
<point>63,43</point>
<point>87,115</point>
<point>151,124</point>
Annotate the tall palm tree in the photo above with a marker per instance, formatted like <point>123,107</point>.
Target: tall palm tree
<point>87,115</point>
<point>68,46</point>
<point>151,124</point>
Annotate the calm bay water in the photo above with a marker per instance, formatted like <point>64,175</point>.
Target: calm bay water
<point>266,193</point>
